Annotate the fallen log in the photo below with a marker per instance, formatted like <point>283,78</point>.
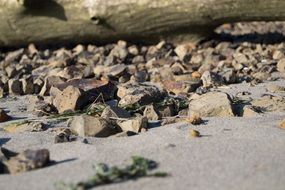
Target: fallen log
<point>101,21</point>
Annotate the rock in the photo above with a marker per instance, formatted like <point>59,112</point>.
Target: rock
<point>37,127</point>
<point>261,76</point>
<point>249,111</point>
<point>275,88</point>
<point>70,99</point>
<point>92,88</point>
<point>282,124</point>
<point>278,55</point>
<point>194,120</point>
<point>11,71</point>
<point>3,116</point>
<point>14,55</point>
<point>211,79</point>
<point>38,84</point>
<point>211,104</point>
<point>25,127</point>
<point>194,133</point>
<point>125,134</point>
<point>151,114</point>
<point>89,126</point>
<point>63,135</point>
<point>181,87</point>
<point>32,50</point>
<point>15,87</point>
<point>1,92</point>
<point>136,125</point>
<point>229,75</point>
<point>183,51</point>
<point>49,82</point>
<point>133,50</point>
<point>269,103</point>
<point>167,110</point>
<point>28,160</point>
<point>27,85</point>
<point>281,65</point>
<point>116,70</point>
<point>196,75</point>
<point>141,94</point>
<point>115,112</point>
<point>38,105</point>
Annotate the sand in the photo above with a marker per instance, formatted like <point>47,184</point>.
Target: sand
<point>233,153</point>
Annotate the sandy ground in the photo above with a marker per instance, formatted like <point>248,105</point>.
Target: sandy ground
<point>234,153</point>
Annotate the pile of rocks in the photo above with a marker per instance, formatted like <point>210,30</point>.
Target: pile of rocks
<point>123,88</point>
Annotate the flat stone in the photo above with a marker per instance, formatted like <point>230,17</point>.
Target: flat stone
<point>3,116</point>
<point>49,82</point>
<point>211,79</point>
<point>63,135</point>
<point>141,94</point>
<point>135,125</point>
<point>249,111</point>
<point>270,103</point>
<point>211,104</point>
<point>89,126</point>
<point>150,113</point>
<point>70,99</point>
<point>115,112</point>
<point>28,160</point>
<point>281,65</point>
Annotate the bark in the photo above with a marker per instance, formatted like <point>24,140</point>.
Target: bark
<point>102,21</point>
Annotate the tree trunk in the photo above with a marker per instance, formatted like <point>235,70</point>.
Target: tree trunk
<point>102,21</point>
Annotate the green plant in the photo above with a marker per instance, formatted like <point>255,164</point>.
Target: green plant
<point>140,167</point>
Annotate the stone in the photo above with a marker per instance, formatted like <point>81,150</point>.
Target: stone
<point>229,75</point>
<point>11,71</point>
<point>151,114</point>
<point>281,65</point>
<point>275,88</point>
<point>25,127</point>
<point>141,94</point>
<point>196,75</point>
<point>39,106</point>
<point>278,55</point>
<point>261,76</point>
<point>4,116</point>
<point>115,112</point>
<point>211,104</point>
<point>136,125</point>
<point>15,87</point>
<point>38,84</point>
<point>194,133</point>
<point>32,50</point>
<point>183,51</point>
<point>181,87</point>
<point>89,126</point>
<point>211,79</point>
<point>269,103</point>
<point>167,110</point>
<point>27,85</point>
<point>2,92</point>
<point>194,120</point>
<point>49,82</point>
<point>116,70</point>
<point>28,160</point>
<point>70,99</point>
<point>92,88</point>
<point>249,111</point>
<point>282,124</point>
<point>63,135</point>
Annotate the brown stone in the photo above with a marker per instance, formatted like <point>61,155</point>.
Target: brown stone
<point>135,125</point>
<point>28,160</point>
<point>3,116</point>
